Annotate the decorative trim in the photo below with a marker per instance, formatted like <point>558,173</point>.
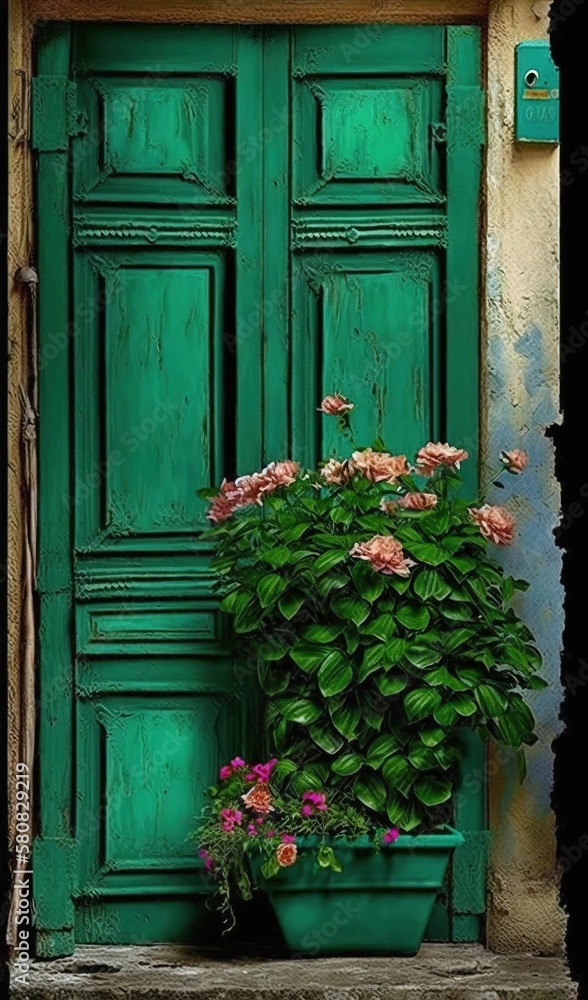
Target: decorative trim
<point>101,227</point>
<point>428,231</point>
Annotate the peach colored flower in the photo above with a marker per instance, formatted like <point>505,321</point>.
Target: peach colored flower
<point>259,799</point>
<point>286,855</point>
<point>226,502</point>
<point>335,473</point>
<point>515,461</point>
<point>389,506</point>
<point>379,466</point>
<point>250,489</point>
<point>432,456</point>
<point>335,405</point>
<point>385,554</point>
<point>495,523</point>
<point>418,501</point>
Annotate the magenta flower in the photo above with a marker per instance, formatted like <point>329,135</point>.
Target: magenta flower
<point>288,838</point>
<point>238,762</point>
<point>230,818</point>
<point>260,820</point>
<point>262,772</point>
<point>270,833</point>
<point>252,829</point>
<point>225,772</point>
<point>390,835</point>
<point>207,858</point>
<point>313,802</point>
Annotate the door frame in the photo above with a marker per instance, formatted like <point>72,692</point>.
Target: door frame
<point>55,846</point>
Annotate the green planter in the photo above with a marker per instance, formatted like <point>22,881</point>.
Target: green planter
<point>380,904</point>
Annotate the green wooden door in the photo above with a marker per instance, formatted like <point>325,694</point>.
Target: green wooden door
<point>231,223</point>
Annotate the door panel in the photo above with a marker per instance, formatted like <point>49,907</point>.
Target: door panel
<point>234,222</point>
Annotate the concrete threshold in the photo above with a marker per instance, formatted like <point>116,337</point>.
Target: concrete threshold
<point>173,972</point>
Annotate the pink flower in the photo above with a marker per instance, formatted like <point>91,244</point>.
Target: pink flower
<point>238,762</point>
<point>270,833</point>
<point>230,819</point>
<point>286,855</point>
<point>260,820</point>
<point>207,858</point>
<point>262,772</point>
<point>335,473</point>
<point>279,474</point>
<point>515,461</point>
<point>379,466</point>
<point>495,523</point>
<point>252,830</point>
<point>259,799</point>
<point>225,772</point>
<point>385,554</point>
<point>418,501</point>
<point>335,405</point>
<point>288,838</point>
<point>247,490</point>
<point>432,456</point>
<point>390,835</point>
<point>312,802</point>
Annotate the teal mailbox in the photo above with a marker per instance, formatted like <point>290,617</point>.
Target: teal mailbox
<point>536,93</point>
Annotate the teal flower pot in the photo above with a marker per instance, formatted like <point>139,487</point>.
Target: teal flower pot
<point>380,904</point>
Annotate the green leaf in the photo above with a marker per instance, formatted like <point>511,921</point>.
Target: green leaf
<point>372,660</point>
<point>465,564</point>
<point>422,656</point>
<point>428,583</point>
<point>445,715</point>
<point>270,868</point>
<point>491,701</point>
<point>322,633</point>
<point>350,608</point>
<point>413,616</point>
<point>398,774</point>
<point>463,704</point>
<point>270,650</point>
<point>382,627</point>
<point>395,650</point>
<point>341,515</point>
<point>422,758</point>
<point>327,858</point>
<point>290,604</point>
<point>233,601</point>
<point>457,612</point>
<point>430,553</point>
<point>456,638</point>
<point>326,738</point>
<point>308,658</point>
<point>277,556</point>
<point>537,683</point>
<point>433,791</point>
<point>335,674</point>
<point>248,617</point>
<point>301,710</point>
<point>328,560</point>
<point>421,702</point>
<point>349,763</point>
<point>380,749</point>
<point>270,588</point>
<point>431,737</point>
<point>345,718</point>
<point>390,684</point>
<point>406,816</point>
<point>369,585</point>
<point>272,680</point>
<point>370,791</point>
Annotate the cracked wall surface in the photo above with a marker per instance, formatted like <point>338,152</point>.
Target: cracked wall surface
<point>519,391</point>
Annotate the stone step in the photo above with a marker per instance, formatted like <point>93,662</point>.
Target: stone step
<point>172,972</point>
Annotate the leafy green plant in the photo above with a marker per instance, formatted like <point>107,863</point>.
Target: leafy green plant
<point>381,625</point>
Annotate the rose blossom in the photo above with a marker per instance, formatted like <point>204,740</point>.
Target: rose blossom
<point>225,772</point>
<point>259,799</point>
<point>250,489</point>
<point>335,405</point>
<point>286,855</point>
<point>432,456</point>
<point>379,466</point>
<point>279,474</point>
<point>262,772</point>
<point>515,461</point>
<point>385,554</point>
<point>238,762</point>
<point>495,523</point>
<point>390,835</point>
<point>335,473</point>
<point>418,501</point>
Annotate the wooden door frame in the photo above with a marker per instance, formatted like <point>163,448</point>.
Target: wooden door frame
<point>55,848</point>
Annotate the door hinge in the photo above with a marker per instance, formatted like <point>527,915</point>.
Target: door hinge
<point>466,117</point>
<point>56,116</point>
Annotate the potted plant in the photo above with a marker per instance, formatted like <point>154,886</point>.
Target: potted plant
<point>382,628</point>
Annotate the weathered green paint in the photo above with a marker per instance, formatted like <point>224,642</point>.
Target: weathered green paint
<point>253,218</point>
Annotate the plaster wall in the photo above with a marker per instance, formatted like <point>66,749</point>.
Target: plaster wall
<point>519,392</point>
